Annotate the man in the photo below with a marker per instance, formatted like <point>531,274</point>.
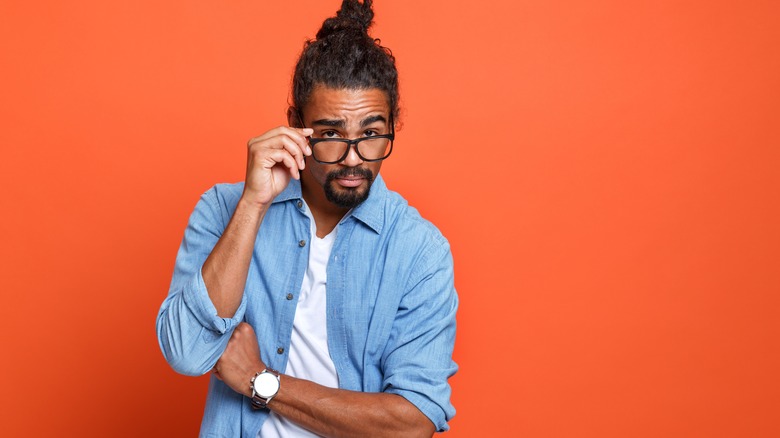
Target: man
<point>312,267</point>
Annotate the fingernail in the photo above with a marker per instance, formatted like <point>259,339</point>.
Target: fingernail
<point>308,131</point>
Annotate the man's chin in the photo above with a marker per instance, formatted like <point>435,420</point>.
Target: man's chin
<point>343,195</point>
<point>346,197</point>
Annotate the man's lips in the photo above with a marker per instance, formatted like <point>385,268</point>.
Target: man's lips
<point>350,181</point>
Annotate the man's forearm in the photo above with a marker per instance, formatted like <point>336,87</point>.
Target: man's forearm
<point>225,269</point>
<point>326,411</point>
<point>335,412</point>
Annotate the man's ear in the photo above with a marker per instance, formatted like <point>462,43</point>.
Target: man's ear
<point>293,117</point>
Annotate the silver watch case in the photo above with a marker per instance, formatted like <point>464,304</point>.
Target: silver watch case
<point>265,386</point>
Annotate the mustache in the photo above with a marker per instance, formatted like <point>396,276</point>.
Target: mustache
<point>351,171</point>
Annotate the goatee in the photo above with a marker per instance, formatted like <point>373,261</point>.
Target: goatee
<point>348,197</point>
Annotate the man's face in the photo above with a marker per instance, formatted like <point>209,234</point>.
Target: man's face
<point>349,114</point>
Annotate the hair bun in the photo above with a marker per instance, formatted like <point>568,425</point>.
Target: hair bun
<point>353,15</point>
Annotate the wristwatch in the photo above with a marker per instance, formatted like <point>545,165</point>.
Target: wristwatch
<point>265,385</point>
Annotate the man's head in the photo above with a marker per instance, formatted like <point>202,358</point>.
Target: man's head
<point>345,86</point>
<point>344,56</point>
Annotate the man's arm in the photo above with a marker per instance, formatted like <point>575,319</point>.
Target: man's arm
<point>335,412</point>
<point>207,289</point>
<point>272,159</point>
<point>326,411</point>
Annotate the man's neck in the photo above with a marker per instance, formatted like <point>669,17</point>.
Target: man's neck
<point>326,214</point>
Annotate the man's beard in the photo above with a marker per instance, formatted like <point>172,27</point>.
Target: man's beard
<point>348,197</point>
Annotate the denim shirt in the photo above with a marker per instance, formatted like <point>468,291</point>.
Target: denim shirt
<point>391,302</point>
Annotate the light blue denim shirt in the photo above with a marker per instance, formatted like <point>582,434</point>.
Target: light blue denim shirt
<point>390,308</point>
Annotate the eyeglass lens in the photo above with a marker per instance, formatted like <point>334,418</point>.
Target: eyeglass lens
<point>368,148</point>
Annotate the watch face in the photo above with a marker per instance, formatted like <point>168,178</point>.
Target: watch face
<point>266,385</point>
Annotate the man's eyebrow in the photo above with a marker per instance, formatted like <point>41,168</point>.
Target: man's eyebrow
<point>371,119</point>
<point>330,122</point>
<point>340,123</point>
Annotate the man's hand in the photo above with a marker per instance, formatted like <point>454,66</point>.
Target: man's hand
<point>241,360</point>
<point>272,159</point>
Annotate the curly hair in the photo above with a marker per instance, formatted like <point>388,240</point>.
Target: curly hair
<point>343,55</point>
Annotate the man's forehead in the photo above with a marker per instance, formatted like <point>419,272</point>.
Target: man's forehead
<point>347,102</point>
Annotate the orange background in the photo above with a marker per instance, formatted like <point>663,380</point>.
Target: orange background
<point>606,172</point>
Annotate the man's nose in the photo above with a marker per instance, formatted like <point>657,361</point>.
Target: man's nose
<point>352,159</point>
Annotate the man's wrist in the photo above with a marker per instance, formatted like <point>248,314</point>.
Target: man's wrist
<point>254,200</point>
<point>250,211</point>
<point>250,203</point>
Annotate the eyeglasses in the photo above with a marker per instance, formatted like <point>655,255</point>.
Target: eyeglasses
<point>335,150</point>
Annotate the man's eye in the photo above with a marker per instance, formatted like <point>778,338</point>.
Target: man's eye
<point>330,134</point>
<point>370,133</point>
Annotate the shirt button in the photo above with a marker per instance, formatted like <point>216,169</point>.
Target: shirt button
<point>289,296</point>
<point>302,243</point>
<point>280,350</point>
<point>300,204</point>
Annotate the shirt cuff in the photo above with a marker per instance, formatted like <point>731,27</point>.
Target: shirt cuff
<point>197,299</point>
<point>431,410</point>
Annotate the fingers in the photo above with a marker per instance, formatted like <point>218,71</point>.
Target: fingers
<point>283,145</point>
<point>293,140</point>
<point>300,133</point>
<point>271,157</point>
<point>281,156</point>
<point>294,149</point>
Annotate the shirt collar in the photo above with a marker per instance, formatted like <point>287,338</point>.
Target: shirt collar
<point>291,192</point>
<point>370,211</point>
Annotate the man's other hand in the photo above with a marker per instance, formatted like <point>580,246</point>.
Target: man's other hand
<point>241,360</point>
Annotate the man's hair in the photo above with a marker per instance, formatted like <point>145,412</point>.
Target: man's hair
<point>343,55</point>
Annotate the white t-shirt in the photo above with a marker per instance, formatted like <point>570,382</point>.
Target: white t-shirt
<point>308,358</point>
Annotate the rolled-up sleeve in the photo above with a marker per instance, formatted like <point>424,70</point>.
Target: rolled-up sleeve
<point>418,360</point>
<point>191,334</point>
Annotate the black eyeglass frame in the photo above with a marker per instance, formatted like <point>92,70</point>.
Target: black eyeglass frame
<point>350,143</point>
